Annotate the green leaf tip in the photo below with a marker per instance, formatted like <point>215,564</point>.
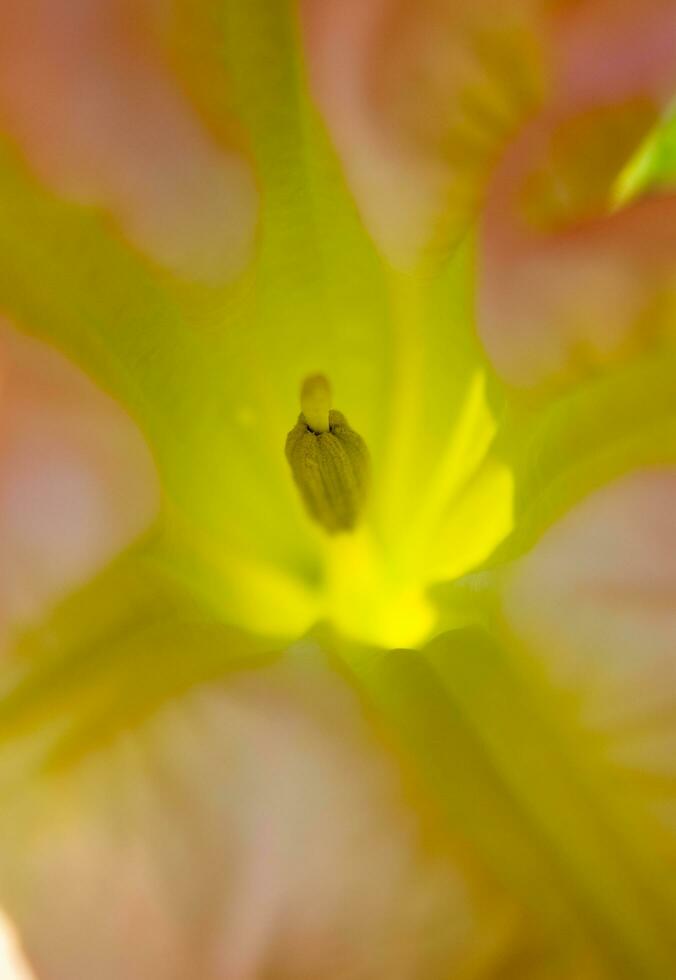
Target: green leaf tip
<point>329,461</point>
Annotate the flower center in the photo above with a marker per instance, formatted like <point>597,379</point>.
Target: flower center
<point>375,579</point>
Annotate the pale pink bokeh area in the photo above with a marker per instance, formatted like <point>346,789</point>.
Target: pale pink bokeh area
<point>587,288</point>
<point>250,830</point>
<point>342,43</point>
<point>595,601</point>
<point>89,97</point>
<point>77,482</point>
<point>598,595</point>
<point>415,103</point>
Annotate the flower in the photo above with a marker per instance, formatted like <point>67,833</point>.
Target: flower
<point>459,218</point>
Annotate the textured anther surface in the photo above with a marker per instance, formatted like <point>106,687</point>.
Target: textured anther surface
<point>331,470</point>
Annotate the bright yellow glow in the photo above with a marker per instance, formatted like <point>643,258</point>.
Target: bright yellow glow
<point>370,599</point>
<point>376,591</point>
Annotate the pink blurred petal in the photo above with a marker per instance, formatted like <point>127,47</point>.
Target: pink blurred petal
<point>561,294</point>
<point>88,93</point>
<point>595,601</point>
<point>418,97</point>
<point>242,833</point>
<point>77,483</point>
<point>609,50</point>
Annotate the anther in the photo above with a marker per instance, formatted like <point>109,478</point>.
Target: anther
<point>329,460</point>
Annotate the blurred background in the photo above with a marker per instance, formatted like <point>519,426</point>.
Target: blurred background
<point>268,828</point>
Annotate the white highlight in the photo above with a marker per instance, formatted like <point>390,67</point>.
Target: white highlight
<point>12,963</point>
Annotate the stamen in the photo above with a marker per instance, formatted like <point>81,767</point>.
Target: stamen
<point>329,460</point>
